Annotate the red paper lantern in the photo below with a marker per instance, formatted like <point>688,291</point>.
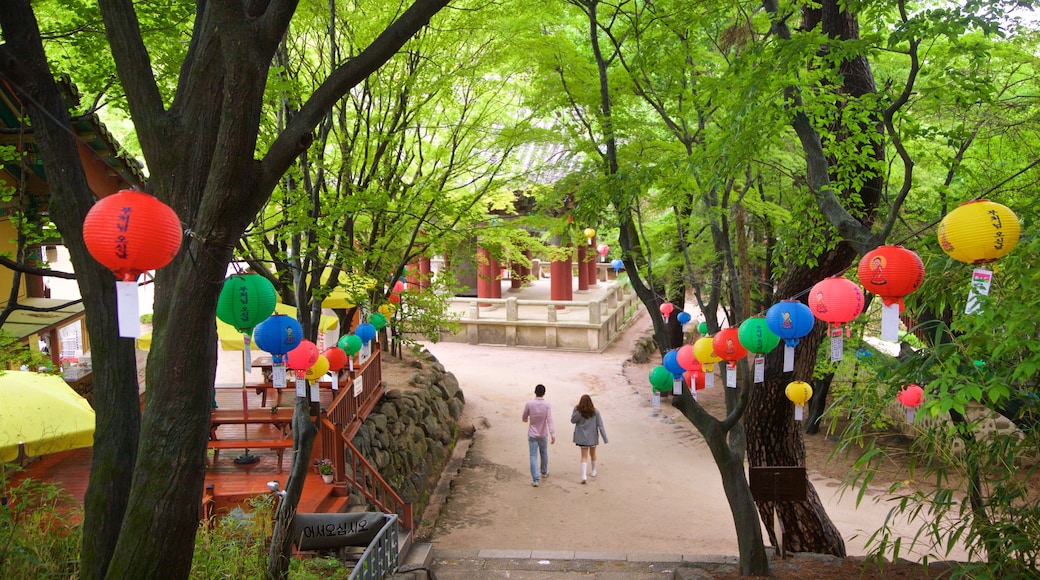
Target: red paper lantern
<point>891,272</point>
<point>911,395</point>
<point>836,300</point>
<point>130,232</point>
<point>726,345</point>
<point>666,309</point>
<point>694,380</point>
<point>303,357</point>
<point>336,357</point>
<point>687,359</point>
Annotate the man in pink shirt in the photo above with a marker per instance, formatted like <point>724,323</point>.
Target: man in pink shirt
<point>538,413</point>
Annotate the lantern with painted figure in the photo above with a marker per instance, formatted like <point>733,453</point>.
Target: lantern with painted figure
<point>791,321</point>
<point>911,396</point>
<point>301,358</point>
<point>704,352</point>
<point>726,344</point>
<point>836,301</point>
<point>755,335</point>
<point>891,272</point>
<point>979,232</point>
<point>799,393</point>
<point>278,335</point>
<point>131,232</point>
<point>687,359</point>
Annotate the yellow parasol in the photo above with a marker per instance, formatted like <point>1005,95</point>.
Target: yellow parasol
<point>42,414</point>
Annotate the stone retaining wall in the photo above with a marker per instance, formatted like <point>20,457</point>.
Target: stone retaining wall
<point>410,435</point>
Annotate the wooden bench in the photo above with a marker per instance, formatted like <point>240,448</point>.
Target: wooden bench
<point>277,445</point>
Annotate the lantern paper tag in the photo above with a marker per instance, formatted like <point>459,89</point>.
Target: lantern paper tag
<point>301,387</point>
<point>655,401</point>
<point>359,386</point>
<point>350,362</point>
<point>910,415</point>
<point>278,376</point>
<point>731,375</point>
<point>129,309</point>
<point>837,345</point>
<point>335,380</point>
<point>246,356</point>
<point>677,387</point>
<point>981,279</point>
<point>709,380</point>
<point>315,393</point>
<point>788,358</point>
<point>890,323</point>
<point>797,412</point>
<point>760,369</point>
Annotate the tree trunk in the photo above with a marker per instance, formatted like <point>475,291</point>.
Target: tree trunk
<point>116,404</point>
<point>304,432</point>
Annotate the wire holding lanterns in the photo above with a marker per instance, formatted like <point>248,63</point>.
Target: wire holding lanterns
<point>979,232</point>
<point>131,232</point>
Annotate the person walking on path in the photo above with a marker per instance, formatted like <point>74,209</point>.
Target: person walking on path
<point>540,431</point>
<point>588,426</point>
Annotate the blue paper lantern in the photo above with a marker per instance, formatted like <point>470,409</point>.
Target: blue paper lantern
<point>278,335</point>
<point>671,362</point>
<point>790,320</point>
<point>618,264</point>
<point>683,317</point>
<point>366,332</point>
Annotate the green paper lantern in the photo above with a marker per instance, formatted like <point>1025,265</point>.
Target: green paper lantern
<point>350,344</point>
<point>702,328</point>
<point>661,378</point>
<point>377,320</point>
<point>245,301</point>
<point>755,335</point>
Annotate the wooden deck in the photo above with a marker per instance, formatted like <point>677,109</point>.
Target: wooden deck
<point>231,482</point>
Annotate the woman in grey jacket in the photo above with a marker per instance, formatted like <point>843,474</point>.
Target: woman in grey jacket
<point>588,426</point>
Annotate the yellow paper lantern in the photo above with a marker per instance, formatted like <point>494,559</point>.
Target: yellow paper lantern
<point>387,310</point>
<point>799,392</point>
<point>321,366</point>
<point>979,232</point>
<point>704,352</point>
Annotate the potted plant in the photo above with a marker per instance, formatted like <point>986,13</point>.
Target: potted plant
<point>325,469</point>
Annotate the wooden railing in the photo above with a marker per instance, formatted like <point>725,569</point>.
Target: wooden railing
<point>340,423</point>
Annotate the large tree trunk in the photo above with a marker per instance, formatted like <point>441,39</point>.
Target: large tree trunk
<point>116,404</point>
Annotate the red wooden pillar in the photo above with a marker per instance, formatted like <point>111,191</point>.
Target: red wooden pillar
<point>583,271</point>
<point>495,282</point>
<point>561,285</point>
<point>411,276</point>
<point>590,263</point>
<point>484,273</point>
<point>424,272</point>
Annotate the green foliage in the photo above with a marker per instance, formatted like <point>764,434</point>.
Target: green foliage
<point>39,532</point>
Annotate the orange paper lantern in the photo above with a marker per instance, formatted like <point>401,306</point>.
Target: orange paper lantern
<point>726,345</point>
<point>979,232</point>
<point>891,272</point>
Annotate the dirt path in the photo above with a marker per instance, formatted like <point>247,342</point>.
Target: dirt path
<point>657,489</point>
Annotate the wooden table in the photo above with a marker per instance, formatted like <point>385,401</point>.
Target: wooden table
<point>278,417</point>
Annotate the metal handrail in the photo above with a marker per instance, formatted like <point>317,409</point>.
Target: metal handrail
<point>381,556</point>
